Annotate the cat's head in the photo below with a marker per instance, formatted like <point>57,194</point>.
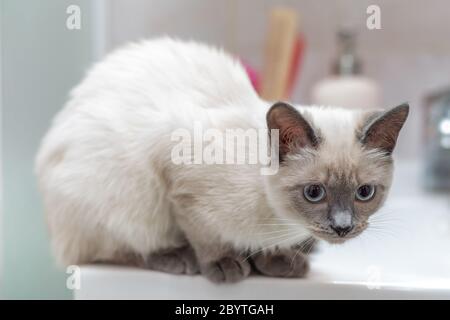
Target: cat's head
<point>335,166</point>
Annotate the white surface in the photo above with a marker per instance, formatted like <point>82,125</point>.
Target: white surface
<point>408,257</point>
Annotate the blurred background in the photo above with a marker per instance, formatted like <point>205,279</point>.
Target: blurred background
<point>327,48</point>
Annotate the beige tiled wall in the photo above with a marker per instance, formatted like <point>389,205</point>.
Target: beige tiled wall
<point>409,56</point>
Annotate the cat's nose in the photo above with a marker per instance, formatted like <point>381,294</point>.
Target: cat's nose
<point>342,231</point>
<point>341,222</point>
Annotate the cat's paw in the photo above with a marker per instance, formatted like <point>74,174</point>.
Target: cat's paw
<point>226,269</point>
<point>282,263</point>
<point>177,261</point>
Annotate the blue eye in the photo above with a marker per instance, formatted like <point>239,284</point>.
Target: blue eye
<point>365,192</point>
<point>314,192</point>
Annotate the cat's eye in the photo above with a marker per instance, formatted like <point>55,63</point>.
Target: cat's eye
<point>314,192</point>
<point>365,192</point>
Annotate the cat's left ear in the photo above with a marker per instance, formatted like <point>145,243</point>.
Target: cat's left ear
<point>382,130</point>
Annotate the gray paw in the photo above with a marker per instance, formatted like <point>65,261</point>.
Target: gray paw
<point>282,263</point>
<point>178,261</point>
<point>227,269</point>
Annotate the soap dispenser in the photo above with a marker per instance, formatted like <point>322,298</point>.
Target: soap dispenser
<point>347,87</point>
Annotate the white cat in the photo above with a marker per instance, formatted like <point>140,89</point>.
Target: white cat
<point>113,194</point>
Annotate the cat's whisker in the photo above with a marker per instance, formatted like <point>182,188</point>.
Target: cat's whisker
<point>387,221</point>
<point>279,224</point>
<point>386,217</point>
<point>279,236</point>
<point>295,255</point>
<point>387,225</point>
<point>310,247</point>
<point>391,226</point>
<point>274,231</point>
<point>275,218</point>
<point>289,237</point>
<point>377,237</point>
<point>304,245</point>
<point>381,232</point>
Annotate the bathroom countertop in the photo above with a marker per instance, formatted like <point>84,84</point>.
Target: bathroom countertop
<point>407,256</point>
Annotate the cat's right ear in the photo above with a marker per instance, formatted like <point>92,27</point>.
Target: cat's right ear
<point>294,130</point>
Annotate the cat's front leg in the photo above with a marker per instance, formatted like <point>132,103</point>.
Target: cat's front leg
<point>218,261</point>
<point>288,263</point>
<point>222,263</point>
<point>181,260</point>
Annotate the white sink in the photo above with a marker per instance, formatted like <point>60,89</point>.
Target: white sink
<point>408,258</point>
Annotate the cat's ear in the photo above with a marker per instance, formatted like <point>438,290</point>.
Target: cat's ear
<point>294,130</point>
<point>382,129</point>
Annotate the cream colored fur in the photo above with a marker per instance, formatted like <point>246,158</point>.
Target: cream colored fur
<point>104,168</point>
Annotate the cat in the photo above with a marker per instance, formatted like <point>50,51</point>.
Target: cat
<point>112,193</point>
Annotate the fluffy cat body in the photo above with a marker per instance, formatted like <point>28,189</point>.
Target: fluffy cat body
<point>110,189</point>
